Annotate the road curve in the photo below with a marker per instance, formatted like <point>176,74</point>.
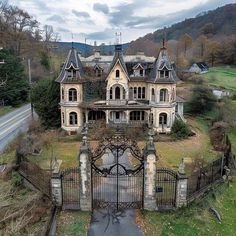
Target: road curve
<point>13,123</point>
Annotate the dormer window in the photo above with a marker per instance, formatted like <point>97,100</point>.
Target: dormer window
<point>117,73</point>
<point>71,74</point>
<point>141,72</point>
<point>164,74</point>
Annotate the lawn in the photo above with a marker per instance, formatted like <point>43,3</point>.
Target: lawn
<point>196,220</point>
<point>6,109</point>
<point>169,153</point>
<point>73,223</point>
<point>224,77</point>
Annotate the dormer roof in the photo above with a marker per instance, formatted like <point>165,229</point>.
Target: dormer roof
<point>72,62</point>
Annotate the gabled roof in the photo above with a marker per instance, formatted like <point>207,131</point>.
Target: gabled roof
<point>118,57</point>
<point>72,61</point>
<point>202,65</point>
<point>138,66</point>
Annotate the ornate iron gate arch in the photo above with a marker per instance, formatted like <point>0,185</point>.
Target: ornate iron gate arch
<point>117,168</point>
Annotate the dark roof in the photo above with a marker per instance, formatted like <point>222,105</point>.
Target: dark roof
<point>202,65</point>
<point>72,61</point>
<point>118,56</point>
<point>163,62</point>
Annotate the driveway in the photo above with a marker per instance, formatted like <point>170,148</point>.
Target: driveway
<point>109,222</point>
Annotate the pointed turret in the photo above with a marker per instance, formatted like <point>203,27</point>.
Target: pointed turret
<point>163,70</point>
<point>72,69</point>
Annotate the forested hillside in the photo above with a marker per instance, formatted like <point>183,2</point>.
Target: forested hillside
<point>209,36</point>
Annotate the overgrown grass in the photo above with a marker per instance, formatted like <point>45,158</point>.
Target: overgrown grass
<point>196,220</point>
<point>223,77</point>
<point>73,223</point>
<point>6,109</point>
<point>199,146</point>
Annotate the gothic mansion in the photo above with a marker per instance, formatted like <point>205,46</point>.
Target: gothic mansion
<point>129,90</point>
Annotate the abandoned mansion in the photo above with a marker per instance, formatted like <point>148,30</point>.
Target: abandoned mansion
<point>128,90</point>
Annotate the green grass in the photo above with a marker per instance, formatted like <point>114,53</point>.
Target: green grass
<point>6,109</point>
<point>196,220</point>
<point>199,146</point>
<point>232,137</point>
<point>73,223</point>
<point>223,77</point>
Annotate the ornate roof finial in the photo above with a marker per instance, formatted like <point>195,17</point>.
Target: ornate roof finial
<point>72,42</point>
<point>164,38</point>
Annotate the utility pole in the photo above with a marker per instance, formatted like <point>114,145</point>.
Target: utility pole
<point>30,84</point>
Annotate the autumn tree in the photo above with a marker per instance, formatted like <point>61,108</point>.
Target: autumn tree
<point>186,42</point>
<point>212,53</point>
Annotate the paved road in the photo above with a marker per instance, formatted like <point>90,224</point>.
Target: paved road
<point>12,124</point>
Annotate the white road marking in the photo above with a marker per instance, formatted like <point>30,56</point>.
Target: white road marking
<point>1,124</point>
<point>15,124</point>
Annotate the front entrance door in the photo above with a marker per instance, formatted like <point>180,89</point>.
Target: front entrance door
<point>117,116</point>
<point>117,174</point>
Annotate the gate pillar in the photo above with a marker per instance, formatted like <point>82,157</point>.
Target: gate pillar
<point>56,187</point>
<point>150,160</point>
<point>181,188</point>
<point>85,177</point>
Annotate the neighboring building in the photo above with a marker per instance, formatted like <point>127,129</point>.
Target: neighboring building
<point>199,68</point>
<point>119,90</point>
<point>220,93</point>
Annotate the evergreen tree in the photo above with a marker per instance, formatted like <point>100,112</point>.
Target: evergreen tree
<point>45,96</point>
<point>15,89</point>
<point>202,100</point>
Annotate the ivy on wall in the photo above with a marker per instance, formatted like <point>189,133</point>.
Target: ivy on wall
<point>94,90</point>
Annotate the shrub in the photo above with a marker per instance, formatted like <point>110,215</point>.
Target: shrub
<point>180,130</point>
<point>16,180</point>
<point>202,100</point>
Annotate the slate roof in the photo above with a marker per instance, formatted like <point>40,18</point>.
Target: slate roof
<point>72,60</point>
<point>163,62</point>
<point>118,56</point>
<point>202,65</point>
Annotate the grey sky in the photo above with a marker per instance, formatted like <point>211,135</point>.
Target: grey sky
<point>99,20</point>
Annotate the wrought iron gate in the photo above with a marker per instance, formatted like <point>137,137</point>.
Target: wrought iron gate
<point>70,188</point>
<point>166,188</point>
<point>117,174</point>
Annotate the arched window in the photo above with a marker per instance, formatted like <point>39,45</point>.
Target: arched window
<point>163,119</point>
<point>63,118</point>
<point>110,93</point>
<point>73,118</point>
<point>62,94</point>
<point>117,73</point>
<point>143,93</point>
<point>72,95</point>
<point>131,93</point>
<point>117,92</point>
<point>163,95</point>
<point>139,92</point>
<point>153,95</point>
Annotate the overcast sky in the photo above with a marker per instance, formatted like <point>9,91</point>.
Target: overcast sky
<point>99,20</point>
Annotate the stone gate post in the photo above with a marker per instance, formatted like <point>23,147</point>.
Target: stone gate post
<point>181,189</point>
<point>85,176</point>
<point>56,186</point>
<point>150,176</point>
